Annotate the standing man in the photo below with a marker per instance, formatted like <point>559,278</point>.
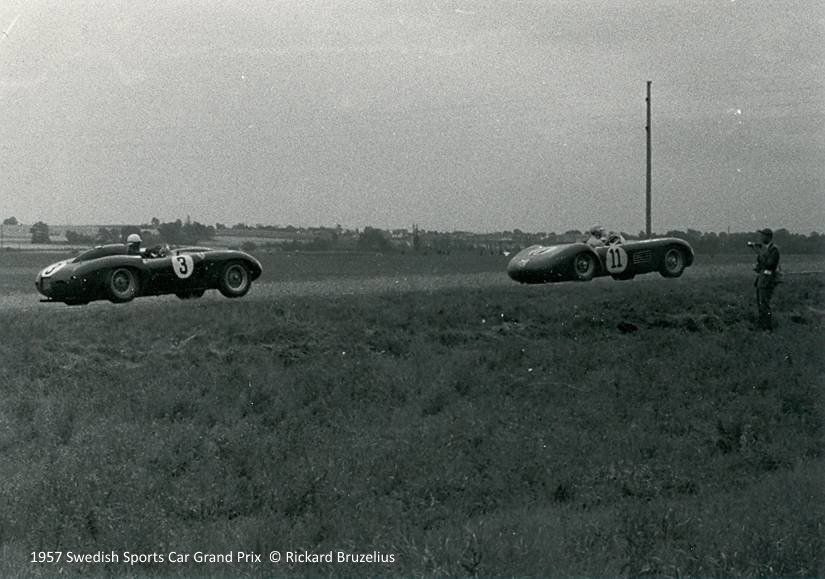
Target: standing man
<point>767,272</point>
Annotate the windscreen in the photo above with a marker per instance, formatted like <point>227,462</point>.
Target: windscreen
<point>100,251</point>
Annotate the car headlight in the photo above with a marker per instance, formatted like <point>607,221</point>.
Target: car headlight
<point>52,268</point>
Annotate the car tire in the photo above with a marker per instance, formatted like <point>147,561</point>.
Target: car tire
<point>234,280</point>
<point>673,262</point>
<point>584,266</point>
<point>194,294</point>
<point>122,285</point>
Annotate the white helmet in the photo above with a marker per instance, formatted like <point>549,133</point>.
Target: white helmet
<point>133,238</point>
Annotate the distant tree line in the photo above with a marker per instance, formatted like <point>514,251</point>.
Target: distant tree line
<point>174,233</point>
<point>184,233</point>
<point>190,232</point>
<point>712,243</point>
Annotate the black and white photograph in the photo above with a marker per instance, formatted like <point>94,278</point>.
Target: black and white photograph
<point>465,288</point>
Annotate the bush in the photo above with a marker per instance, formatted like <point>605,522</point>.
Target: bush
<point>40,233</point>
<point>75,238</point>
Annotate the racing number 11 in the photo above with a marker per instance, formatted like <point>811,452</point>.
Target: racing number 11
<point>615,258</point>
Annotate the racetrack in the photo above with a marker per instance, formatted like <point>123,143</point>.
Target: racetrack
<point>17,280</point>
<point>328,287</point>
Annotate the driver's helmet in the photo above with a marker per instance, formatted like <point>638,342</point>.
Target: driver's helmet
<point>133,242</point>
<point>597,231</point>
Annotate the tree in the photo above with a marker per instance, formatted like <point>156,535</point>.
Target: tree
<point>127,230</point>
<point>171,232</point>
<point>373,240</point>
<point>107,236</point>
<point>75,238</point>
<point>193,232</point>
<point>40,233</point>
<point>10,221</point>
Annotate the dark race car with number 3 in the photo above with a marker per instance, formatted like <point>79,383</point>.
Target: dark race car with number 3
<point>580,262</point>
<point>109,272</point>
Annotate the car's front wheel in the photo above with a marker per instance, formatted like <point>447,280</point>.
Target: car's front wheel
<point>673,263</point>
<point>584,266</point>
<point>235,280</point>
<point>122,285</point>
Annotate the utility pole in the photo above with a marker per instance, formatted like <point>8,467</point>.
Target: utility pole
<point>649,167</point>
<point>7,30</point>
<point>2,38</point>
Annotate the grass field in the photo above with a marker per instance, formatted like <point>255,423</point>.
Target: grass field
<point>467,428</point>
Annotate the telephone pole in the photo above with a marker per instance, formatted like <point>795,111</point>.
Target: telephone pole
<point>649,167</point>
<point>7,30</point>
<point>4,36</point>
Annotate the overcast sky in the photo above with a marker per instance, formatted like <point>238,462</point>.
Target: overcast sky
<point>465,114</point>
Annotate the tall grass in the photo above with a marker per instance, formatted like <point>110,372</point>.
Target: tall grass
<point>496,431</point>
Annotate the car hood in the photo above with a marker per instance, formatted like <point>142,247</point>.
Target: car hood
<point>56,270</point>
<point>541,255</point>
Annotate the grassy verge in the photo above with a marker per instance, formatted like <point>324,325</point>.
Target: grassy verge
<point>497,431</point>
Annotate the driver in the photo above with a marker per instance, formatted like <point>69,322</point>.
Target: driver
<point>157,251</point>
<point>614,238</point>
<point>598,236</point>
<point>133,244</point>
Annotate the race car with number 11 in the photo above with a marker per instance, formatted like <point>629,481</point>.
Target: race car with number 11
<point>668,256</point>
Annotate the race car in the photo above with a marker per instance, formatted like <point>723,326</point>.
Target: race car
<point>582,262</point>
<point>111,272</point>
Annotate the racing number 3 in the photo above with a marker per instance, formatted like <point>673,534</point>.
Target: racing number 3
<point>616,259</point>
<point>183,265</point>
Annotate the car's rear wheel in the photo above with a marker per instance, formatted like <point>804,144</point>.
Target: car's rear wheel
<point>673,263</point>
<point>584,266</point>
<point>122,285</point>
<point>235,280</point>
<point>190,294</point>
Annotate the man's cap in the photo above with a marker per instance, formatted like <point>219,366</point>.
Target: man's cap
<point>766,231</point>
<point>133,238</point>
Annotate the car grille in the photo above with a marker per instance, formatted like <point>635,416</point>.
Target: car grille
<point>644,256</point>
<point>59,289</point>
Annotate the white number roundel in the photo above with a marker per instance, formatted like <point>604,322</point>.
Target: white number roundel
<point>183,265</point>
<point>616,259</point>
